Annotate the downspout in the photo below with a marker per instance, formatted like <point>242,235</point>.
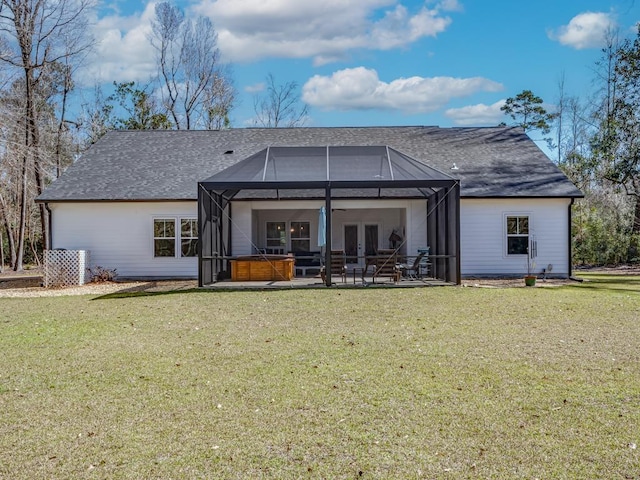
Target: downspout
<point>50,246</point>
<point>329,234</point>
<point>458,251</point>
<point>570,236</point>
<point>225,243</point>
<point>229,251</point>
<point>200,234</point>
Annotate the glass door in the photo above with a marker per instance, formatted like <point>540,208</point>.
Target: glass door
<point>351,243</point>
<point>360,240</point>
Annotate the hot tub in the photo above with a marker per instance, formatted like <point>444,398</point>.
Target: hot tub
<point>262,267</point>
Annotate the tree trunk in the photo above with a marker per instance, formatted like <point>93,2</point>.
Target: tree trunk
<point>10,235</point>
<point>634,247</point>
<point>17,266</point>
<point>33,144</point>
<point>25,159</point>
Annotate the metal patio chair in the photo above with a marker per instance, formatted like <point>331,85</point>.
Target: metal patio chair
<point>412,271</point>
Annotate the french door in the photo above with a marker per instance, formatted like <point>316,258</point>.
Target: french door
<point>360,239</point>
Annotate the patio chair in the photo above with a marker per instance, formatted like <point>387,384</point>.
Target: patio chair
<point>424,266</point>
<point>386,265</point>
<point>338,266</point>
<point>413,271</point>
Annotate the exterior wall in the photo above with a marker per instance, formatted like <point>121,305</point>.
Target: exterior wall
<point>483,236</point>
<point>416,226</point>
<point>120,235</point>
<point>241,228</point>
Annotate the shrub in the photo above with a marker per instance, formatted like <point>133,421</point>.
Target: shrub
<point>100,274</point>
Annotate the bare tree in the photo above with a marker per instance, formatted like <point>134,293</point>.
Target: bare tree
<point>36,34</point>
<point>573,130</point>
<point>280,106</point>
<point>189,65</point>
<point>140,108</point>
<point>96,118</point>
<point>560,114</point>
<point>218,101</point>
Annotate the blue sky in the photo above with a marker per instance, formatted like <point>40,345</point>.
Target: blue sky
<point>384,62</point>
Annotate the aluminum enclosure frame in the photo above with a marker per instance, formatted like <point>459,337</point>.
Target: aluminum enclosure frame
<point>378,170</point>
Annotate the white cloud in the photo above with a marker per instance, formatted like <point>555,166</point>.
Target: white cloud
<point>255,88</point>
<point>360,88</point>
<point>123,51</point>
<point>585,30</point>
<point>479,114</point>
<point>450,6</point>
<point>325,31</point>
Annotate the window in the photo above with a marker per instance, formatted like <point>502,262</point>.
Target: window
<point>300,239</point>
<point>517,235</point>
<point>276,235</point>
<point>167,241</point>
<point>189,237</point>
<point>164,237</point>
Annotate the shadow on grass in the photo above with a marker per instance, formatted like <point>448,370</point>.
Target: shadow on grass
<point>615,283</point>
<point>599,282</point>
<point>145,290</point>
<point>151,290</point>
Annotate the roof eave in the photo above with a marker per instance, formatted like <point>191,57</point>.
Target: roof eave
<point>290,185</point>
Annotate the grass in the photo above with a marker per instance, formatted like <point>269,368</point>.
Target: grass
<point>398,383</point>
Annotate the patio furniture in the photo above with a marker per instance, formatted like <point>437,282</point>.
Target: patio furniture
<point>307,261</point>
<point>413,271</point>
<point>386,265</point>
<point>338,266</point>
<point>424,266</point>
<point>262,267</point>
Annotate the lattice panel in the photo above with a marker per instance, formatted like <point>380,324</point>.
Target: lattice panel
<point>63,268</point>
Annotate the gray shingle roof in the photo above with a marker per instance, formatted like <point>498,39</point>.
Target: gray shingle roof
<point>166,165</point>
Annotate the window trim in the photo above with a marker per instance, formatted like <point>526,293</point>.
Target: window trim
<point>194,236</point>
<point>280,248</point>
<point>305,239</point>
<point>288,238</point>
<point>177,223</point>
<point>165,219</point>
<point>506,235</point>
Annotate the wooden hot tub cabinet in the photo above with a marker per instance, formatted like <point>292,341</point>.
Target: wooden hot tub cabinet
<point>262,267</point>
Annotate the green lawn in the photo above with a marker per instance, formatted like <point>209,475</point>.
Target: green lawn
<point>355,383</point>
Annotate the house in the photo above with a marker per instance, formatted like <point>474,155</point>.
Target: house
<point>478,197</point>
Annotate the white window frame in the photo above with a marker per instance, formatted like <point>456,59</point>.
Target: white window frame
<point>507,235</point>
<point>163,218</point>
<point>193,236</point>
<point>303,239</point>
<point>282,247</point>
<point>177,238</point>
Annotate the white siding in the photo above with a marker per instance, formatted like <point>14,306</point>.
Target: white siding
<point>120,235</point>
<point>416,226</point>
<point>241,228</point>
<point>483,235</point>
